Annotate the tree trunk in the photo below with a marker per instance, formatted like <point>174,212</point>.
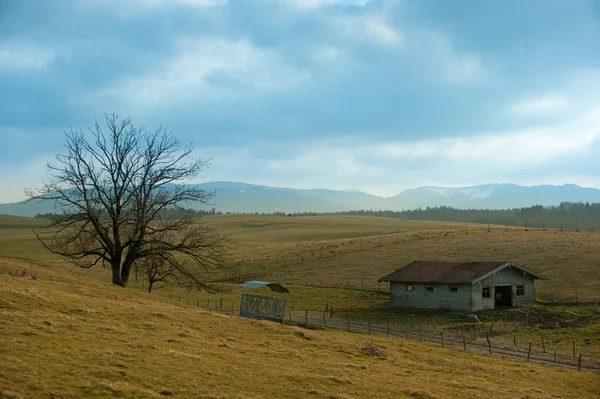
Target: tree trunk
<point>116,276</point>
<point>150,286</point>
<point>125,270</point>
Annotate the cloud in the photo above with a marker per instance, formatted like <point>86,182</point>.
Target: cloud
<point>335,93</point>
<point>311,4</point>
<point>207,67</point>
<point>20,55</point>
<point>540,105</point>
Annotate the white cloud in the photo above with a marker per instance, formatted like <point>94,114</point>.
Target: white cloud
<point>389,167</point>
<point>445,61</point>
<point>310,4</point>
<point>382,32</point>
<point>508,150</point>
<point>540,105</point>
<point>209,67</point>
<point>373,27</point>
<point>23,55</point>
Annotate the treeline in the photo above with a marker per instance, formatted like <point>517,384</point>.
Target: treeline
<point>166,214</point>
<point>566,216</point>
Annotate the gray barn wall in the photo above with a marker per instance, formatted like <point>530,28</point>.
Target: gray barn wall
<point>507,276</point>
<point>468,298</point>
<point>439,298</point>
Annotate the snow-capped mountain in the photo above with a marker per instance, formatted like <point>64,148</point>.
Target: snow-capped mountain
<point>243,197</point>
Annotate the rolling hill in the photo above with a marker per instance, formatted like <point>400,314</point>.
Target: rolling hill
<point>68,336</point>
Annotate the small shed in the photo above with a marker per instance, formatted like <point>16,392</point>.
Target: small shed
<point>462,286</point>
<point>256,306</point>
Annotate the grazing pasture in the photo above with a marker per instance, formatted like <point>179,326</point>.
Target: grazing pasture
<point>360,250</point>
<point>67,335</point>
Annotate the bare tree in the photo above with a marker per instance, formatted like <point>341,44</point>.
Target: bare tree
<point>155,269</point>
<point>115,192</point>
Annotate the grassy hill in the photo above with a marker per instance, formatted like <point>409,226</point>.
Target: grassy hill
<point>359,250</point>
<point>66,335</point>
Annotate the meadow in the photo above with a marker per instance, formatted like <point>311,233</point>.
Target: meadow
<point>69,336</point>
<point>335,261</point>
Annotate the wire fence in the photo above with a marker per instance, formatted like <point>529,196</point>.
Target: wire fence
<point>466,339</point>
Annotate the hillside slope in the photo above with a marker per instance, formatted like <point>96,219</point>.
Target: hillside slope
<point>63,335</point>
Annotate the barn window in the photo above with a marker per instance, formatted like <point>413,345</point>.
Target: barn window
<point>453,289</point>
<point>429,288</point>
<point>409,288</point>
<point>486,292</point>
<point>520,290</point>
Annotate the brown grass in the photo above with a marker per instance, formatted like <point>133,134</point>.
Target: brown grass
<point>64,335</point>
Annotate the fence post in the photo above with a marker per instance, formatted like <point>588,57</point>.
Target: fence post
<point>289,314</point>
<point>306,317</point>
<point>433,322</point>
<point>515,340</point>
<point>405,332</point>
<point>579,362</point>
<point>465,342</point>
<point>543,345</point>
<point>221,304</point>
<point>198,303</point>
<point>208,303</point>
<point>490,346</point>
<point>348,318</point>
<point>388,329</point>
<point>442,340</point>
<point>555,358</point>
<point>529,352</point>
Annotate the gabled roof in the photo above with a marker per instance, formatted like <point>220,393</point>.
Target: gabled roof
<point>257,284</point>
<point>452,272</point>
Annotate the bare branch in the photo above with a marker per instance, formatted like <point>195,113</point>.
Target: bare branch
<point>115,192</point>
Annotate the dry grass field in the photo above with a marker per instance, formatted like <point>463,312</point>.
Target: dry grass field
<point>359,250</point>
<point>64,335</point>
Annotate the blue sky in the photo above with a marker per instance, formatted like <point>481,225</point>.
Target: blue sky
<point>376,95</point>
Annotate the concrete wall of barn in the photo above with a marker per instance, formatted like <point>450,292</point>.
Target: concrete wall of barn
<point>467,297</point>
<point>509,276</point>
<point>440,298</point>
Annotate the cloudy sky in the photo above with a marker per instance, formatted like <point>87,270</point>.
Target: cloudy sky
<point>375,95</point>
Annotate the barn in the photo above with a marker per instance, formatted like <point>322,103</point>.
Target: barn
<point>462,286</point>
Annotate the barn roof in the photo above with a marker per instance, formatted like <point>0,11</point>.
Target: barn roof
<point>452,272</point>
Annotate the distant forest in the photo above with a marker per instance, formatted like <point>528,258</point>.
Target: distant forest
<point>566,216</point>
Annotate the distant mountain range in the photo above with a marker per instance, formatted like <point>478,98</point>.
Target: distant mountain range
<point>243,197</point>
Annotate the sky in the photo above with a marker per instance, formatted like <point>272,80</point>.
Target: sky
<point>375,95</point>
